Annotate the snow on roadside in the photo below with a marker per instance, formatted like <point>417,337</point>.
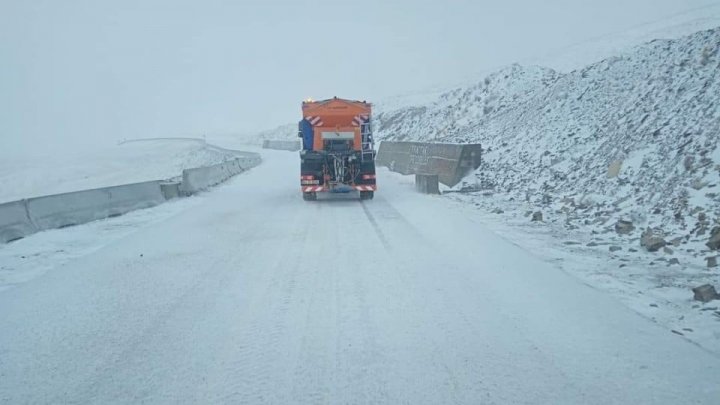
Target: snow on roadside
<point>646,282</point>
<point>28,258</point>
<point>130,162</point>
<point>643,281</point>
<point>31,257</point>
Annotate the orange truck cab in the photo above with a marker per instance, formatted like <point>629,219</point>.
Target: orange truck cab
<point>338,153</point>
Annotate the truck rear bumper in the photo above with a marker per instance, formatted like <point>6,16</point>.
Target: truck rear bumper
<point>323,189</point>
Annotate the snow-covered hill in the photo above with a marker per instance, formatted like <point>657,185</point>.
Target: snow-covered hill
<point>654,112</point>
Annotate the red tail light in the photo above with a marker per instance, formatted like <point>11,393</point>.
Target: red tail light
<point>368,176</point>
<point>307,177</point>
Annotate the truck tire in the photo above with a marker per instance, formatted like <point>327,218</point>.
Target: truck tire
<point>309,196</point>
<point>367,195</point>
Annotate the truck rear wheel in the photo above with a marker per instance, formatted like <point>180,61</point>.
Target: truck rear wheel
<point>309,196</point>
<point>367,195</point>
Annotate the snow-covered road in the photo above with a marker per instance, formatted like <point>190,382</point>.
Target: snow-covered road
<point>255,296</point>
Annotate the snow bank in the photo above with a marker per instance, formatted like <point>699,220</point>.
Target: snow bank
<point>130,162</point>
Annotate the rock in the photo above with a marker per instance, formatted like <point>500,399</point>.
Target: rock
<point>705,293</point>
<point>702,217</point>
<point>674,260</point>
<point>537,216</point>
<point>652,240</point>
<point>614,169</point>
<point>615,248</point>
<point>622,200</point>
<point>701,231</point>
<point>497,211</point>
<point>688,162</point>
<point>667,250</point>
<point>623,227</point>
<point>632,250</point>
<point>699,184</point>
<point>528,213</point>
<point>711,261</point>
<point>714,242</point>
<point>676,242</point>
<point>592,244</point>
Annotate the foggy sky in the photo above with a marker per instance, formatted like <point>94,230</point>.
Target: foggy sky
<point>88,72</point>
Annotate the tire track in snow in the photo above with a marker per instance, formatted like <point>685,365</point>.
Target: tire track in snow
<point>261,356</point>
<point>381,236</point>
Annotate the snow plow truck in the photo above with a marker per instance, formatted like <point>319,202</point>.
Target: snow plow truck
<point>338,154</point>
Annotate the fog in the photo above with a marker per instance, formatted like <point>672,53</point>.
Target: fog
<point>86,73</point>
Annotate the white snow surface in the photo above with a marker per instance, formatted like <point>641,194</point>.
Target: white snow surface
<point>247,294</point>
<point>129,162</point>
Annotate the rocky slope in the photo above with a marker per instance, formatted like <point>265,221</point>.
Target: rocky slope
<point>633,138</point>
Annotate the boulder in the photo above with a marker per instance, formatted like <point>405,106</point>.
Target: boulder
<point>712,261</point>
<point>614,169</point>
<point>537,216</point>
<point>714,242</point>
<point>623,227</point>
<point>705,293</point>
<point>615,248</point>
<point>688,162</point>
<point>652,240</point>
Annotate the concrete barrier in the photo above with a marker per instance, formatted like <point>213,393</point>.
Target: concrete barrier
<point>25,217</point>
<point>248,160</point>
<point>170,189</point>
<point>292,146</point>
<point>427,183</point>
<point>14,221</point>
<point>451,162</point>
<point>79,207</point>
<point>202,178</point>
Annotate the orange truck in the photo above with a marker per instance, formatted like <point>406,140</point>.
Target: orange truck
<point>338,154</point>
